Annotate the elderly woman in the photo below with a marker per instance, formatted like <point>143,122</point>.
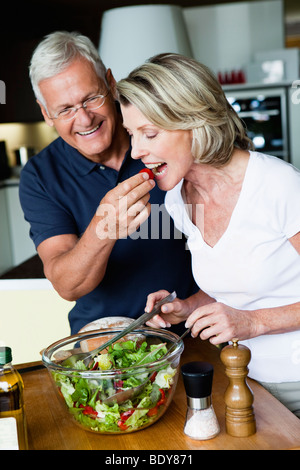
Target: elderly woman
<point>238,208</point>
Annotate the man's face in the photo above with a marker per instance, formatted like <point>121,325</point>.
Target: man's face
<point>90,132</point>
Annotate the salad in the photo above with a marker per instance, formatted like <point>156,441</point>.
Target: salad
<point>85,394</point>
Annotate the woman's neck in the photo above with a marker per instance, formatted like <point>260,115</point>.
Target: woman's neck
<point>208,180</point>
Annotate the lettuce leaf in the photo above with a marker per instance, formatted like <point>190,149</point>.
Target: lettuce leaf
<point>67,391</point>
<point>164,377</point>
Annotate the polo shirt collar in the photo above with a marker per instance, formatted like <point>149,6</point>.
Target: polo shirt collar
<point>80,164</point>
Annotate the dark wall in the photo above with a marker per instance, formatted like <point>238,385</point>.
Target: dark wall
<point>22,27</point>
<point>24,24</point>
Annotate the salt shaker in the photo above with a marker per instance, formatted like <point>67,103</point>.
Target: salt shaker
<point>201,422</point>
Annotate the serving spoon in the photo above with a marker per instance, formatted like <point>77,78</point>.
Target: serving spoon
<point>86,357</point>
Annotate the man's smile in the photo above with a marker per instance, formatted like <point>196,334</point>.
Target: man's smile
<point>90,131</point>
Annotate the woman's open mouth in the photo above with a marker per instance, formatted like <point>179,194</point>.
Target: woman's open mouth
<point>158,168</point>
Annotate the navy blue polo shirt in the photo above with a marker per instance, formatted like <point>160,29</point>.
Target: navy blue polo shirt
<point>60,191</point>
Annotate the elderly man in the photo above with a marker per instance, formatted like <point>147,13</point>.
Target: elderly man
<point>87,204</point>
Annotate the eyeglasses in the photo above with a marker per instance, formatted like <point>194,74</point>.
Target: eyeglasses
<point>90,104</point>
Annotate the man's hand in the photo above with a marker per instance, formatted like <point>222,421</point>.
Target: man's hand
<point>74,265</point>
<point>124,208</point>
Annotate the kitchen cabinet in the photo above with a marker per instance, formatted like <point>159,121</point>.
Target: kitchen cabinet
<point>5,244</point>
<point>15,243</point>
<point>21,244</point>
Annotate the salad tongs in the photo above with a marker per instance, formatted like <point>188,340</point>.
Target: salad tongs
<point>86,357</point>
<point>130,393</point>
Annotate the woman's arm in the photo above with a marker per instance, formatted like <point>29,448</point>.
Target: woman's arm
<point>220,323</point>
<point>295,241</point>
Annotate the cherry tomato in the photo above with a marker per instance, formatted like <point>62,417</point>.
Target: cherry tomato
<point>150,172</point>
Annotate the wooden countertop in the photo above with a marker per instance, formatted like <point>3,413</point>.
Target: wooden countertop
<point>49,426</point>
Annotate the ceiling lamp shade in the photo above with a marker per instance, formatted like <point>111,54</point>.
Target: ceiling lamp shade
<point>131,35</point>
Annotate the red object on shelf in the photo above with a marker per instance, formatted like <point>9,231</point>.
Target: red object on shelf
<point>231,77</point>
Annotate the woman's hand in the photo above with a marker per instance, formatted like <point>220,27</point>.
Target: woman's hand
<point>220,323</point>
<point>175,312</point>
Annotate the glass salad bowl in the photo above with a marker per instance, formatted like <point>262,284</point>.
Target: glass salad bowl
<point>125,388</point>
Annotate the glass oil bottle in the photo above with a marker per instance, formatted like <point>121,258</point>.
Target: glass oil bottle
<point>13,430</point>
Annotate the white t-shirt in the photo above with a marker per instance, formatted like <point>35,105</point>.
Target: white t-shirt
<point>253,265</point>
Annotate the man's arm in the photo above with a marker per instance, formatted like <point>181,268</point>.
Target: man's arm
<point>75,266</point>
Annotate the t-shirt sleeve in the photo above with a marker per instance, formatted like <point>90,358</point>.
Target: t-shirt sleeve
<point>289,201</point>
<point>46,216</point>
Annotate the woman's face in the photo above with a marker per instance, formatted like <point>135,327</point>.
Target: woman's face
<point>166,153</point>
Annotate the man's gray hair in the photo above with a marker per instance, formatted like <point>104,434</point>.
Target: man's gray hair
<point>56,52</point>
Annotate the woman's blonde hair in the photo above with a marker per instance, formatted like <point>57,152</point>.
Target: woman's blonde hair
<point>178,93</point>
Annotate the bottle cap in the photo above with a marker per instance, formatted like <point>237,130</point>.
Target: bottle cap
<point>5,355</point>
<point>197,379</point>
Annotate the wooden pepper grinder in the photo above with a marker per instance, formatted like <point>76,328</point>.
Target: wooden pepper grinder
<point>239,414</point>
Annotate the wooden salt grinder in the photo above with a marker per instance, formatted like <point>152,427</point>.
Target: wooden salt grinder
<point>239,415</point>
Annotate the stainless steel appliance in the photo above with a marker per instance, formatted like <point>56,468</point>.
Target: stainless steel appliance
<point>264,112</point>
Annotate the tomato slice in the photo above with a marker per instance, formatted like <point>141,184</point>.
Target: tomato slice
<point>89,411</point>
<point>152,377</point>
<point>162,398</point>
<point>122,425</point>
<point>150,172</point>
<point>153,411</point>
<point>126,414</point>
